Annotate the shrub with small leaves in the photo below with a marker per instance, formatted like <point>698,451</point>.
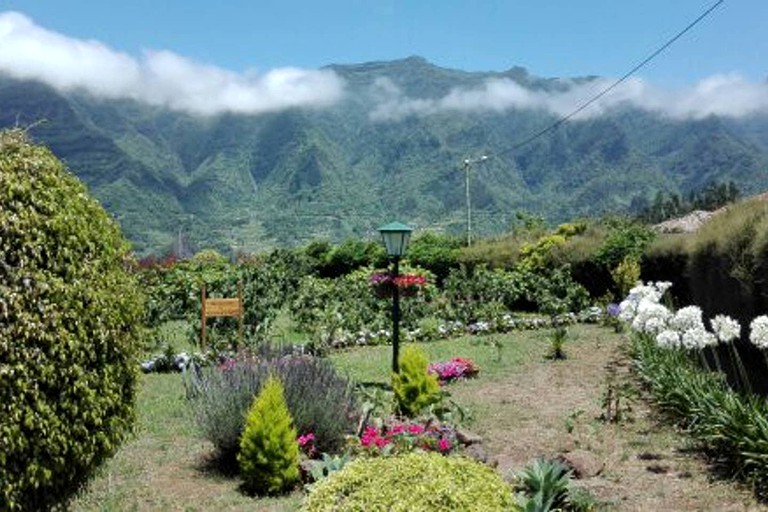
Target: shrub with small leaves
<point>269,453</point>
<point>69,328</point>
<point>415,389</point>
<point>415,481</point>
<point>320,400</point>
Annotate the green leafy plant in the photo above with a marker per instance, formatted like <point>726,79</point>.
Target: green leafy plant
<point>557,339</point>
<point>269,453</point>
<point>327,465</point>
<point>626,275</point>
<point>413,481</point>
<point>415,389</point>
<point>70,316</point>
<point>543,485</point>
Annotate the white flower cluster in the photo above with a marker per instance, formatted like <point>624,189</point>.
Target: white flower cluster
<point>726,328</point>
<point>683,329</point>
<point>651,292</point>
<point>758,331</point>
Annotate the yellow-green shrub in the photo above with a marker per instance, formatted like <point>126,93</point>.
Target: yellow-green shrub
<point>414,388</point>
<point>414,482</point>
<point>269,453</point>
<point>69,322</point>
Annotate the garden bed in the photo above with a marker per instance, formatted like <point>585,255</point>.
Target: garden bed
<point>524,406</point>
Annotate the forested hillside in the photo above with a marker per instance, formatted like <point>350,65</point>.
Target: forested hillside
<point>391,149</point>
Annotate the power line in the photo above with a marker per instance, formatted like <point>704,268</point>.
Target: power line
<point>615,84</point>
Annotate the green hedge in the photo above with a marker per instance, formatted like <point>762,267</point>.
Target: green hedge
<point>69,322</point>
<point>415,482</point>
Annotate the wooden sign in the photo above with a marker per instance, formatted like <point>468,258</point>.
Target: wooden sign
<point>222,307</point>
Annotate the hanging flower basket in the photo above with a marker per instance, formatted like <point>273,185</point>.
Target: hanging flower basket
<point>383,285</point>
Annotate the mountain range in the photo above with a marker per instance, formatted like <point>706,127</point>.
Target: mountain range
<point>393,148</point>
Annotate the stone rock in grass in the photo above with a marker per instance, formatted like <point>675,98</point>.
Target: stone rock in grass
<point>468,438</point>
<point>478,453</point>
<point>582,463</point>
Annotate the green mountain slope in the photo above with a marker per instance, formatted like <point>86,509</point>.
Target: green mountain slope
<point>252,182</point>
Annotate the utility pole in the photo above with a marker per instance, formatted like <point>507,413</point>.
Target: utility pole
<point>467,167</point>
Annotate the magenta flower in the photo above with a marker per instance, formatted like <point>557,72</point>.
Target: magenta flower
<point>306,439</point>
<point>415,429</point>
<point>456,368</point>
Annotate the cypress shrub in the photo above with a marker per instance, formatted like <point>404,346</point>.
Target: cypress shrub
<point>415,389</point>
<point>69,329</point>
<point>269,452</point>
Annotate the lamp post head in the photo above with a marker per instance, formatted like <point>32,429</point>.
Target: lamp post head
<point>396,237</point>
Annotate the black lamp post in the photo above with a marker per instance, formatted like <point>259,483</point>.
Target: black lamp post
<point>396,236</point>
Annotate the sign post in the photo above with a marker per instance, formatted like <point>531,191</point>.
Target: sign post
<point>222,307</point>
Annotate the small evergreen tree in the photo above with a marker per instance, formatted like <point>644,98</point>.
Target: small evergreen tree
<point>414,388</point>
<point>269,453</point>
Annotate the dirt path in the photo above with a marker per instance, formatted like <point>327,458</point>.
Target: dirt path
<point>548,408</point>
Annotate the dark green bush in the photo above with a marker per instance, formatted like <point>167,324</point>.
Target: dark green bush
<point>69,329</point>
<point>436,253</point>
<point>320,400</point>
<point>415,482</point>
<point>625,239</point>
<point>269,453</point>
<point>351,255</point>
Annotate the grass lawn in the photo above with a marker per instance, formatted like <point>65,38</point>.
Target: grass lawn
<point>523,404</point>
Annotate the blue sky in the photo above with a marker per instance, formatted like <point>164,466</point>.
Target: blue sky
<point>264,54</point>
<point>551,38</point>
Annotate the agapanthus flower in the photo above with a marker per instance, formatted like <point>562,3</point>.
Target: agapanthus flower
<point>687,318</point>
<point>726,328</point>
<point>758,334</point>
<point>651,317</point>
<point>668,339</point>
<point>697,338</point>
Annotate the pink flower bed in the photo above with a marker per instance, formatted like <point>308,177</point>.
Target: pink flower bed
<point>399,437</point>
<point>456,368</point>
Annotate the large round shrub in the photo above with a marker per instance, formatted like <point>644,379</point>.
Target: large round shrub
<point>69,314</point>
<point>415,482</point>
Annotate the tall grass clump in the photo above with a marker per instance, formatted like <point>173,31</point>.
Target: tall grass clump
<point>320,400</point>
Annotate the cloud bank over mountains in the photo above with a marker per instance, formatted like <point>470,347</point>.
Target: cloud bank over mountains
<point>728,95</point>
<point>165,79</point>
<point>160,78</point>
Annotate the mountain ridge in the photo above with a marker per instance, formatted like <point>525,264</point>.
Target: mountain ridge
<point>250,182</point>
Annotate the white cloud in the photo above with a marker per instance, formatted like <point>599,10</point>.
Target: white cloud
<point>161,78</point>
<point>728,95</point>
